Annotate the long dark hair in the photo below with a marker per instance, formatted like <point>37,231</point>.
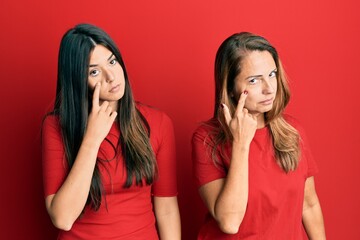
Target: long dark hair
<point>227,67</point>
<point>73,104</point>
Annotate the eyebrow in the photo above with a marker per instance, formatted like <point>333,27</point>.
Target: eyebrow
<point>94,65</point>
<point>256,76</point>
<point>253,76</point>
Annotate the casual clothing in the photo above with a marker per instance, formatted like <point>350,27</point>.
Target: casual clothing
<point>275,200</point>
<point>125,213</point>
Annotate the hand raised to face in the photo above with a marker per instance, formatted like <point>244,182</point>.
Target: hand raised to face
<point>101,118</point>
<point>242,124</point>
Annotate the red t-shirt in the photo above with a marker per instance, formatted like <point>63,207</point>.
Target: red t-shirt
<point>125,213</point>
<point>275,201</point>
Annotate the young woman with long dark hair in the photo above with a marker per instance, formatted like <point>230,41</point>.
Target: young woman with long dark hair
<point>252,163</point>
<point>108,162</point>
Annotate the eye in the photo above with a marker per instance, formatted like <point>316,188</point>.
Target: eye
<point>273,73</point>
<point>113,61</point>
<point>253,81</point>
<point>94,73</point>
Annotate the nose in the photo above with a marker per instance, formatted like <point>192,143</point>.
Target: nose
<point>268,86</point>
<point>110,77</point>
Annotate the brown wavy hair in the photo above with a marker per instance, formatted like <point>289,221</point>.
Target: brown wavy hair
<point>228,61</point>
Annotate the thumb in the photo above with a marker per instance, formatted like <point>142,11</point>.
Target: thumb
<point>113,116</point>
<point>226,112</point>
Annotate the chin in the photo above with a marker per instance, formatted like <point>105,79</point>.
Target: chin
<point>265,109</point>
<point>120,96</point>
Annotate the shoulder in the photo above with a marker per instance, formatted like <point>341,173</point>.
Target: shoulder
<point>291,119</point>
<point>51,122</point>
<point>150,112</point>
<point>207,126</point>
<point>154,117</point>
<point>206,129</point>
<point>294,122</point>
<point>51,131</point>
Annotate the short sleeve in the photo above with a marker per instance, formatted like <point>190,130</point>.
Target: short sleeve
<point>166,183</point>
<point>53,158</point>
<point>204,166</point>
<point>312,168</point>
<point>306,154</point>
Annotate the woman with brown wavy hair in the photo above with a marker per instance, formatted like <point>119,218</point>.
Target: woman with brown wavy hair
<point>252,163</point>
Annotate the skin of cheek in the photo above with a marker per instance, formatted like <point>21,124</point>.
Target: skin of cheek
<point>252,100</point>
<point>250,104</point>
<point>91,84</point>
<point>92,88</point>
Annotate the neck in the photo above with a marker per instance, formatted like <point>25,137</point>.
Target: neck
<point>260,117</point>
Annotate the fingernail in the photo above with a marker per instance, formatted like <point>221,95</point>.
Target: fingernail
<point>245,92</point>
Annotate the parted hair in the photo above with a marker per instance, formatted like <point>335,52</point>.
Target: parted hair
<point>229,57</point>
<point>73,105</point>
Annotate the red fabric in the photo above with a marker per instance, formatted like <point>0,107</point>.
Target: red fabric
<point>127,212</point>
<point>275,201</point>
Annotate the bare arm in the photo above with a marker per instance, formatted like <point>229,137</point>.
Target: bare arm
<point>312,216</point>
<point>66,205</point>
<point>227,198</point>
<point>167,217</point>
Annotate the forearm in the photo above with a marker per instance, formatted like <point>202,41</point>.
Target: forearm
<point>167,218</point>
<point>169,226</point>
<point>311,215</point>
<point>313,222</point>
<point>231,204</point>
<point>67,204</point>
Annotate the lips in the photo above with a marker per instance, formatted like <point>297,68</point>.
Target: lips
<point>115,88</point>
<point>267,101</point>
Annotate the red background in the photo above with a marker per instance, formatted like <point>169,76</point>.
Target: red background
<point>169,49</point>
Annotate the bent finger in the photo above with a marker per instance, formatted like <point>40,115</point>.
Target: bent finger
<point>226,112</point>
<point>104,105</point>
<point>109,110</point>
<point>113,115</point>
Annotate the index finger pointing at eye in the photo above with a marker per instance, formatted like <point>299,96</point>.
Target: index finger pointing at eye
<point>241,102</point>
<point>96,94</point>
